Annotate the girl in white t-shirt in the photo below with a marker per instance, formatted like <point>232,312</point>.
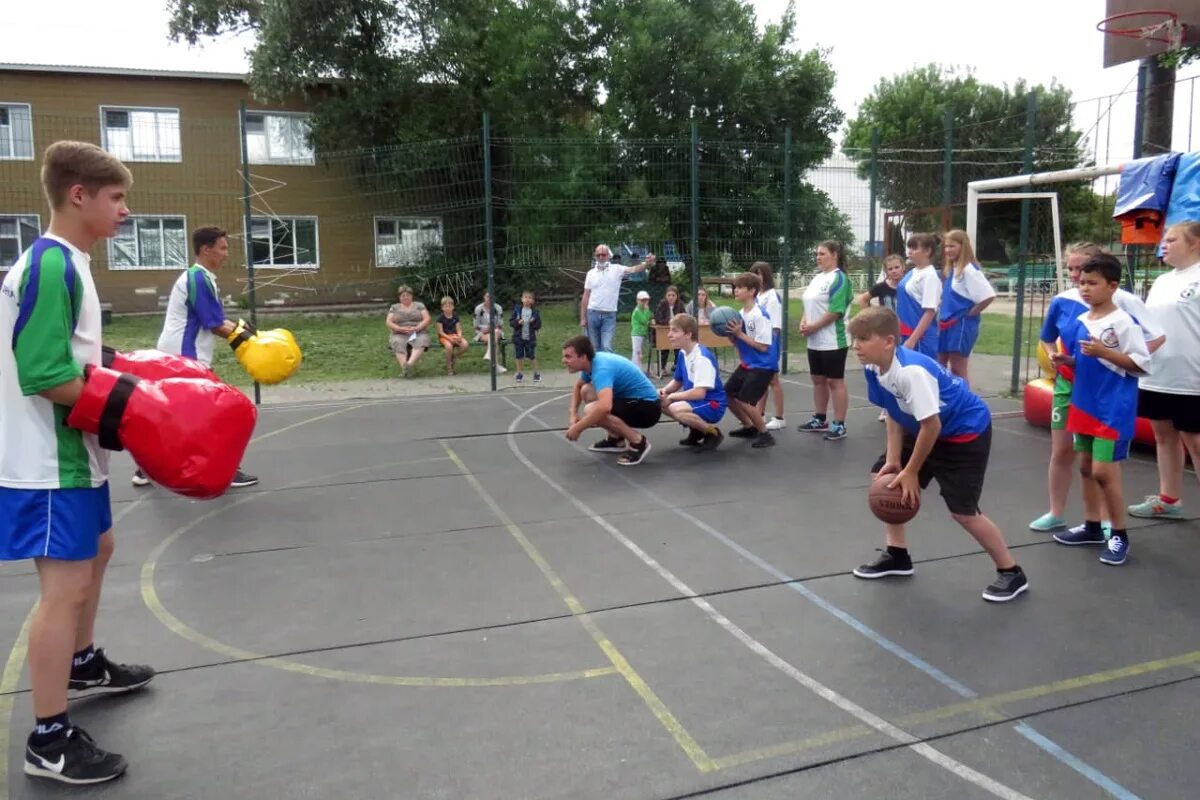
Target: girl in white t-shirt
<point>966,293</point>
<point>769,300</point>
<point>1169,395</point>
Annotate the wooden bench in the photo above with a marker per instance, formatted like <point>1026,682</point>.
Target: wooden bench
<point>713,341</point>
<point>501,344</point>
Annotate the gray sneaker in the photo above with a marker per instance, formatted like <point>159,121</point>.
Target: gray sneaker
<point>1154,507</point>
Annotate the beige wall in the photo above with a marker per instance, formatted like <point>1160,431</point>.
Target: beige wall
<point>205,186</point>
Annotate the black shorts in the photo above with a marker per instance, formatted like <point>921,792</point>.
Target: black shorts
<point>1181,410</point>
<point>828,363</point>
<point>748,384</point>
<point>637,413</point>
<point>958,467</point>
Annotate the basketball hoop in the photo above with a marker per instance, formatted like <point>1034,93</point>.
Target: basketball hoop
<point>1156,25</point>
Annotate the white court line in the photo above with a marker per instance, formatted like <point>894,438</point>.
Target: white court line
<point>850,707</point>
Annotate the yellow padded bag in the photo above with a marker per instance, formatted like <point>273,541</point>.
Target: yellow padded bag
<point>268,357</point>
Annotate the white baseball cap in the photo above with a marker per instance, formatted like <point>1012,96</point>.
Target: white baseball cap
<point>643,295</point>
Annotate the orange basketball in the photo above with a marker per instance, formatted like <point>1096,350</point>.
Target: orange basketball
<point>886,504</point>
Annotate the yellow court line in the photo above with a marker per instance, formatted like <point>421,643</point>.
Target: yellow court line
<point>684,739</point>
<point>8,685</point>
<point>180,628</point>
<point>988,706</point>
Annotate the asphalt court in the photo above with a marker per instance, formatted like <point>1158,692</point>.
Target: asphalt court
<point>442,597</point>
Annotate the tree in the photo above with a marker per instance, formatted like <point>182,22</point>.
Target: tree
<point>988,131</point>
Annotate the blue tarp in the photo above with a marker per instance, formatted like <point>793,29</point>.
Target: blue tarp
<point>1185,194</point>
<point>1146,184</point>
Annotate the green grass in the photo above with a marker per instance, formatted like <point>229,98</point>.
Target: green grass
<point>340,347</point>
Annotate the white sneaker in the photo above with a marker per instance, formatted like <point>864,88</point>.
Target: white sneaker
<point>776,424</point>
<point>501,369</point>
<point>883,416</point>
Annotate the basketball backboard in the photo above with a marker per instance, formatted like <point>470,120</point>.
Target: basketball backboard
<point>1146,14</point>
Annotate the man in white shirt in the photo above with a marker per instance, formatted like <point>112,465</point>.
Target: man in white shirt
<point>601,291</point>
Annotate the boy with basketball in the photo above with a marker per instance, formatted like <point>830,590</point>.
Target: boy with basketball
<point>936,428</point>
<point>694,397</point>
<point>1108,353</point>
<point>752,336</point>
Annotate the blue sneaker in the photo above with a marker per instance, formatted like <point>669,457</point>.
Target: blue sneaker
<point>837,430</point>
<point>1079,535</point>
<point>1116,552</point>
<point>1047,522</point>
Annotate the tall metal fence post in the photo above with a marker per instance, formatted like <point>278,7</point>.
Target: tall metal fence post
<point>874,190</point>
<point>786,250</point>
<point>1023,240</point>
<point>491,252</point>
<point>246,226</point>
<point>948,161</point>
<point>695,209</point>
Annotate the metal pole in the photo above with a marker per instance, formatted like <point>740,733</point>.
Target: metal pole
<point>1139,120</point>
<point>948,160</point>
<point>1023,242</point>
<point>491,253</point>
<point>246,222</point>
<point>695,209</point>
<point>787,242</point>
<point>874,190</point>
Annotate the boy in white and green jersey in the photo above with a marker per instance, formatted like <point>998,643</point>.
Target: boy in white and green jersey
<point>54,500</point>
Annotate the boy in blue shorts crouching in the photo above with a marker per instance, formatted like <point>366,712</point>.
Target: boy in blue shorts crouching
<point>936,428</point>
<point>695,397</point>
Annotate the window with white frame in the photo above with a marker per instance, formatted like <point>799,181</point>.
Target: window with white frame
<point>17,234</point>
<point>145,242</point>
<point>278,138</point>
<point>284,241</point>
<point>406,241</point>
<point>141,134</point>
<point>16,131</point>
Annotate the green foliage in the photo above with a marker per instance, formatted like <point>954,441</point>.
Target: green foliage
<point>989,132</point>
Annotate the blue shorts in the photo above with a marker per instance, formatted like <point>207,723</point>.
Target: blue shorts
<point>708,410</point>
<point>523,348</point>
<point>959,338</point>
<point>64,524</point>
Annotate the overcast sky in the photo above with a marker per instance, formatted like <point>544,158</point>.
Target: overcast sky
<point>1039,40</point>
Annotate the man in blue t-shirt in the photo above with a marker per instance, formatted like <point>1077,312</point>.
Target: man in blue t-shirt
<point>936,428</point>
<point>616,396</point>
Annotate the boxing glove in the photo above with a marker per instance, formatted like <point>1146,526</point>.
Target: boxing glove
<point>186,434</point>
<point>267,356</point>
<point>155,365</point>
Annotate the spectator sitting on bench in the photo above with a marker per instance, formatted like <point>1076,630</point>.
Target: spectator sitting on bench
<point>483,326</point>
<point>408,320</point>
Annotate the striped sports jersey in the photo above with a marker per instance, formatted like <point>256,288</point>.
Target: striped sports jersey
<point>193,310</point>
<point>915,387</point>
<point>828,292</point>
<point>961,293</point>
<point>49,328</point>
<point>1065,309</point>
<point>700,368</point>
<point>920,290</point>
<point>1104,397</point>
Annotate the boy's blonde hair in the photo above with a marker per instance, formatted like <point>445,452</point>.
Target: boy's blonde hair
<point>528,292</point>
<point>874,321</point>
<point>67,164</point>
<point>966,253</point>
<point>447,299</point>
<point>686,323</point>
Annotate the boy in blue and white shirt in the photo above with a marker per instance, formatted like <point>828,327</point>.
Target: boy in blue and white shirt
<point>936,428</point>
<point>753,339</point>
<point>695,397</point>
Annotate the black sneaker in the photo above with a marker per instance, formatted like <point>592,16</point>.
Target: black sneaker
<point>635,453</point>
<point>1006,586</point>
<point>609,445</point>
<point>139,479</point>
<point>744,432</point>
<point>764,439</point>
<point>693,438</point>
<point>73,758</point>
<point>711,441</point>
<point>887,564</point>
<point>241,479</point>
<point>101,676</point>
